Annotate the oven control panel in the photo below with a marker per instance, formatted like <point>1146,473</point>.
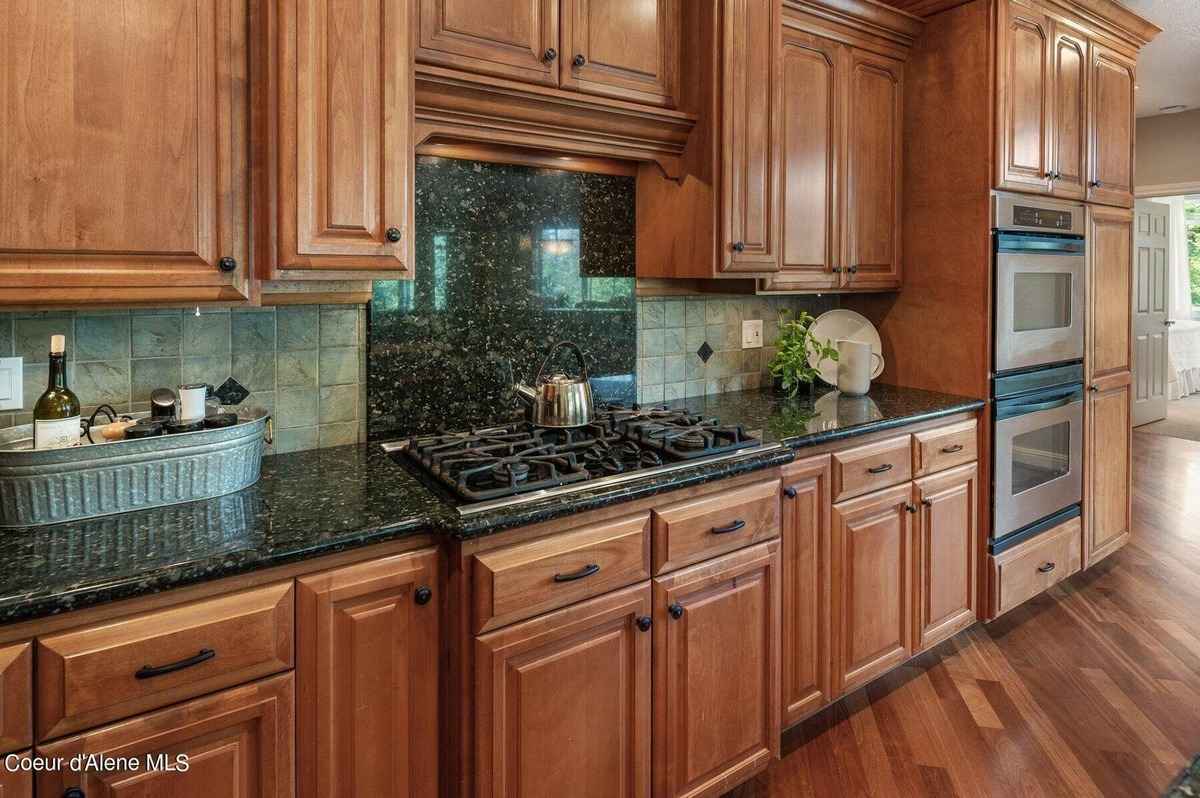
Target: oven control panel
<point>1046,218</point>
<point>1016,212</point>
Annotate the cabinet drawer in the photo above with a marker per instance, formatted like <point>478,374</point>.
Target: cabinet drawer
<point>870,467</point>
<point>526,579</point>
<point>16,697</point>
<point>89,676</point>
<point>699,528</point>
<point>1021,573</point>
<point>945,447</point>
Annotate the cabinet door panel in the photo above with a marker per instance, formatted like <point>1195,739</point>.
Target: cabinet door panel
<point>563,702</point>
<point>872,169</point>
<point>16,697</point>
<point>1109,437</point>
<point>1111,128</point>
<point>1024,92</point>
<point>750,137</point>
<point>630,48</point>
<point>367,670</point>
<point>508,38</point>
<point>716,672</point>
<point>812,96</point>
<point>1110,283</point>
<point>1069,115</point>
<point>945,553</point>
<point>123,155</point>
<point>16,783</point>
<point>805,564</point>
<point>872,564</point>
<point>238,743</point>
<point>345,135</point>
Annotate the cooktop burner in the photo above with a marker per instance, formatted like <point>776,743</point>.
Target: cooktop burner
<point>496,462</point>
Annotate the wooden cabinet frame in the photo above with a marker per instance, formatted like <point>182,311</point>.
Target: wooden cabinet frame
<point>946,599</point>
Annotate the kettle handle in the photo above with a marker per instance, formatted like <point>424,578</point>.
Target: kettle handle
<point>578,354</point>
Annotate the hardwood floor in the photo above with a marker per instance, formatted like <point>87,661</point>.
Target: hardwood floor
<point>1092,689</point>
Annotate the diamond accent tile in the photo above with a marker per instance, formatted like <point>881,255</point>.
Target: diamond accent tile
<point>705,351</point>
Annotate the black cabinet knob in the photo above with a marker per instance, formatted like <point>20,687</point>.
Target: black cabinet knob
<point>738,246</point>
<point>579,60</point>
<point>836,269</point>
<point>549,55</point>
<point>74,792</point>
<point>393,234</point>
<point>912,508</point>
<point>422,595</point>
<point>927,502</point>
<point>1093,388</point>
<point>1094,183</point>
<point>227,264</point>
<point>676,610</point>
<point>852,269</point>
<point>1048,175</point>
<point>643,623</point>
<point>790,492</point>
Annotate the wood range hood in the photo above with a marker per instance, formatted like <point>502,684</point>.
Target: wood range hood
<point>493,118</point>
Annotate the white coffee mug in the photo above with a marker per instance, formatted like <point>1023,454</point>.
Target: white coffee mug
<point>855,364</point>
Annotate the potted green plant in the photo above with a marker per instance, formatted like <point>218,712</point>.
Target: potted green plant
<point>798,353</point>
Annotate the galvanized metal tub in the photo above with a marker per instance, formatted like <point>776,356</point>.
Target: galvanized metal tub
<point>55,485</point>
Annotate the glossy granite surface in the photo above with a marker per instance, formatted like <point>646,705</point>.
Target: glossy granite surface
<point>318,502</point>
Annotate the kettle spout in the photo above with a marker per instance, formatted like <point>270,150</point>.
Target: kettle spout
<point>525,394</point>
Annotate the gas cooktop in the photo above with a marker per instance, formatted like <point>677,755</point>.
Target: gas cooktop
<point>495,465</point>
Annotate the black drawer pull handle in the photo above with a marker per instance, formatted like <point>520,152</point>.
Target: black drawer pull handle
<point>644,622</point>
<point>734,527</point>
<point>880,469</point>
<point>74,792</point>
<point>1045,569</point>
<point>585,571</point>
<point>790,492</point>
<point>952,449</point>
<point>150,671</point>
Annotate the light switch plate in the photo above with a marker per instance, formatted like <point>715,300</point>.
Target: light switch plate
<point>751,333</point>
<point>12,382</point>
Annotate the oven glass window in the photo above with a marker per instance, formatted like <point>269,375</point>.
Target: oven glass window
<point>1041,301</point>
<point>1040,455</point>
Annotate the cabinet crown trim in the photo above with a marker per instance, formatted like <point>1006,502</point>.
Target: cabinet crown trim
<point>866,16</point>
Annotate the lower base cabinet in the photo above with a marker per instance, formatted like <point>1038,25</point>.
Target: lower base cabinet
<point>16,783</point>
<point>872,552</point>
<point>716,672</point>
<point>562,704</point>
<point>237,742</point>
<point>367,676</point>
<point>946,555</point>
<point>1108,444</point>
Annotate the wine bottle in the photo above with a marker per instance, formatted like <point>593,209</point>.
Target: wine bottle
<point>56,414</point>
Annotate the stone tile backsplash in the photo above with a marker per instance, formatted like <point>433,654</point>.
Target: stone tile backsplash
<point>692,346</point>
<point>305,364</point>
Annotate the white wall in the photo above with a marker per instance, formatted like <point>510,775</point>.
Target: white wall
<point>1168,154</point>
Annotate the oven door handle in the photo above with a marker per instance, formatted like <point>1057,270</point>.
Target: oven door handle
<point>1008,408</point>
<point>1037,407</point>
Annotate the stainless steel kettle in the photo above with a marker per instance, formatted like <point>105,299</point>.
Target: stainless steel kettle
<point>558,400</point>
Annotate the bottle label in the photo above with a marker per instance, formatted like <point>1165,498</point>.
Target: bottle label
<point>58,433</point>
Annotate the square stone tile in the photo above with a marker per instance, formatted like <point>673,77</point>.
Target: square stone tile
<point>693,388</point>
<point>653,314</point>
<point>296,408</point>
<point>157,336</point>
<point>673,340</point>
<point>673,391</point>
<point>212,370</point>
<point>338,434</point>
<point>33,382</point>
<point>254,370</point>
<point>32,337</point>
<point>101,337</point>
<point>207,334</point>
<point>150,373</point>
<point>714,311</point>
<point>673,313</point>
<point>338,403</point>
<point>650,371</point>
<point>297,327</point>
<point>338,365</point>
<point>296,369</point>
<point>6,335</point>
<point>100,382</point>
<point>652,342</point>
<point>253,331</point>
<point>693,312</point>
<point>648,394</point>
<point>673,370</point>
<point>339,326</point>
<point>296,440</point>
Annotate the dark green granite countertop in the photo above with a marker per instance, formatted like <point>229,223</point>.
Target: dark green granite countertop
<point>319,502</point>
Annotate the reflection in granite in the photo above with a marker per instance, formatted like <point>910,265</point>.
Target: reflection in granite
<point>1187,783</point>
<point>826,415</point>
<point>509,260</point>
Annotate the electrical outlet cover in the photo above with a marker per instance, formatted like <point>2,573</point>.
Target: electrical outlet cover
<point>752,333</point>
<point>11,382</point>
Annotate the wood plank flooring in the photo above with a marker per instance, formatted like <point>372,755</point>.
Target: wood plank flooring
<point>1092,689</point>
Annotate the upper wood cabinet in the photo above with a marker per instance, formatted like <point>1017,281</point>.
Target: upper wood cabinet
<point>716,672</point>
<point>946,553</point>
<point>367,674</point>
<point>1110,284</point>
<point>1068,114</point>
<point>1110,128</point>
<point>562,702</point>
<point>344,133</point>
<point>123,159</point>
<point>872,552</point>
<point>627,49</point>
<point>1025,82</point>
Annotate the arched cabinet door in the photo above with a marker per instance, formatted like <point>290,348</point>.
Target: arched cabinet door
<point>1111,128</point>
<point>1024,89</point>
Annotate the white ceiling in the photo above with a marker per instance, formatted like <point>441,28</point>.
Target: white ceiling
<point>1169,67</point>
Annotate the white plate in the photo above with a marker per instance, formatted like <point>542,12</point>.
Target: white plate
<point>845,325</point>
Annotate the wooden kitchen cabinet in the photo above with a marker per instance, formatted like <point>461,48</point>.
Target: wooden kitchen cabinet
<point>16,697</point>
<point>238,742</point>
<point>344,78</point>
<point>367,675</point>
<point>1110,128</point>
<point>124,159</point>
<point>627,49</point>
<point>1110,286</point>
<point>16,783</point>
<point>716,672</point>
<point>563,702</point>
<point>515,39</point>
<point>872,551</point>
<point>1109,469</point>
<point>1025,86</point>
<point>946,554</point>
<point>1068,113</point>
<point>806,588</point>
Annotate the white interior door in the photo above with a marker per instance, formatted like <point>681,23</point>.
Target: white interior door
<point>1151,304</point>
